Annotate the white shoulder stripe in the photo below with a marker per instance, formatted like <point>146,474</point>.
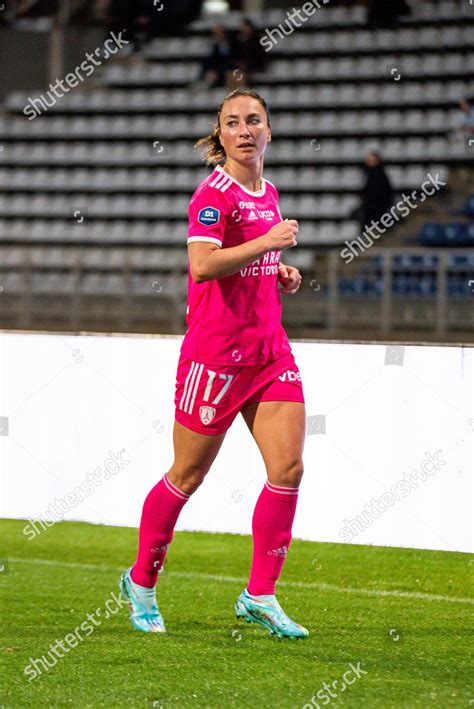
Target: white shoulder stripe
<point>223,189</point>
<point>216,179</point>
<point>219,182</point>
<point>222,182</point>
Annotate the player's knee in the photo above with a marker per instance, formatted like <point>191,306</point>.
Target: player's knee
<point>290,475</point>
<point>187,479</point>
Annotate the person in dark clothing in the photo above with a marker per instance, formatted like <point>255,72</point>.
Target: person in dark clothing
<point>385,13</point>
<point>132,18</point>
<point>143,20</point>
<point>376,195</point>
<point>253,55</point>
<point>466,116</point>
<point>222,59</point>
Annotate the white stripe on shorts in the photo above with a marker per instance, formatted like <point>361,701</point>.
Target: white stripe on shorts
<point>201,367</point>
<point>191,369</point>
<point>190,387</point>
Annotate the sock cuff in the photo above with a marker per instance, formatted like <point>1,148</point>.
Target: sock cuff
<point>281,490</point>
<point>173,489</point>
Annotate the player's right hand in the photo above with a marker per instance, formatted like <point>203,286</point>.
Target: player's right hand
<point>283,235</point>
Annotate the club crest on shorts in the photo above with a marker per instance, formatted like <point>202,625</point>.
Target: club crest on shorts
<point>206,414</point>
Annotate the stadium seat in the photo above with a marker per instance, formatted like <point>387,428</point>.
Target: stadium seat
<point>468,209</point>
<point>455,234</point>
<point>470,235</point>
<point>391,120</point>
<point>431,235</point>
<point>81,165</point>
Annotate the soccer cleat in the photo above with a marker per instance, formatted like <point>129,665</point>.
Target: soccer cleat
<point>146,618</point>
<point>270,614</point>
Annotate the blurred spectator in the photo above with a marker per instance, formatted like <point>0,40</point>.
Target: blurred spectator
<point>465,121</point>
<point>252,54</point>
<point>223,59</point>
<point>133,18</point>
<point>376,195</point>
<point>385,13</point>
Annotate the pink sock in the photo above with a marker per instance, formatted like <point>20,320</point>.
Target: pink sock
<point>160,512</point>
<point>271,530</point>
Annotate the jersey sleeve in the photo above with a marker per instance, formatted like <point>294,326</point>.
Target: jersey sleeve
<point>276,198</point>
<point>208,215</point>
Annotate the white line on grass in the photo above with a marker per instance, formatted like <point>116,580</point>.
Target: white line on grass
<point>238,579</point>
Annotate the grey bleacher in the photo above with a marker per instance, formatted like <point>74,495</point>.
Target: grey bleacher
<point>406,94</point>
<point>297,151</point>
<point>120,153</point>
<point>337,42</point>
<point>308,71</point>
<point>387,122</point>
<point>353,16</point>
<point>97,181</point>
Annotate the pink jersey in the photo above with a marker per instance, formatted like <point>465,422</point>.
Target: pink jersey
<point>235,320</point>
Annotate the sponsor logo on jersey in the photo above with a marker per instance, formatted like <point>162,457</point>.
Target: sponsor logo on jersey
<point>255,213</point>
<point>290,376</point>
<point>206,414</point>
<point>208,216</point>
<point>266,213</point>
<point>236,215</point>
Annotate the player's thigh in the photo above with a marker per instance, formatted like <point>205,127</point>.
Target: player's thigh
<point>194,453</point>
<point>279,429</point>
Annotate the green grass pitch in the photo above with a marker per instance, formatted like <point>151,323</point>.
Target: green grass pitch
<point>402,617</point>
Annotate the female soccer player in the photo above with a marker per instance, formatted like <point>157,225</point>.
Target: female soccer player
<point>235,357</point>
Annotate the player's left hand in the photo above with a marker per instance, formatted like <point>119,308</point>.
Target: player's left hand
<point>290,278</point>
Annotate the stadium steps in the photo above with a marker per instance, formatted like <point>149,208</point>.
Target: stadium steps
<point>105,130</point>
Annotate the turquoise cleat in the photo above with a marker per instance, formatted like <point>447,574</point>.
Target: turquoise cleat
<point>270,614</point>
<point>144,617</point>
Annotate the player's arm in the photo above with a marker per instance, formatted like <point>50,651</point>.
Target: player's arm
<point>208,261</point>
<point>288,276</point>
<point>209,214</point>
<point>290,279</point>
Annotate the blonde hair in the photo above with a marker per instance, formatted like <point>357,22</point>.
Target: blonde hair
<point>210,145</point>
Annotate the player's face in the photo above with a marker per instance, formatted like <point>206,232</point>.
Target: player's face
<point>244,129</point>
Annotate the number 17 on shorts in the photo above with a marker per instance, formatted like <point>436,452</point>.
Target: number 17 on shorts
<point>199,391</point>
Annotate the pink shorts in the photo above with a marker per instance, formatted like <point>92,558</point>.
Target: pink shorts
<point>208,398</point>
